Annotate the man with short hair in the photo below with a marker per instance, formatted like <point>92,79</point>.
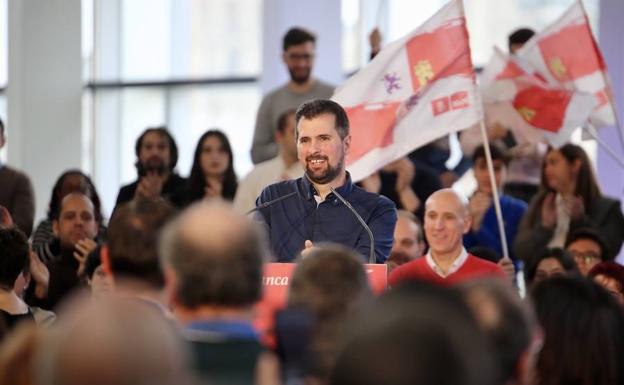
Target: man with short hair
<point>298,55</point>
<point>314,211</point>
<point>408,239</point>
<point>212,261</point>
<point>16,195</point>
<point>132,257</point>
<point>157,156</point>
<point>283,167</point>
<point>587,247</point>
<point>484,229</point>
<point>447,262</point>
<point>76,227</point>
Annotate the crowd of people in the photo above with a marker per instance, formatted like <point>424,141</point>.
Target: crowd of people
<point>166,291</point>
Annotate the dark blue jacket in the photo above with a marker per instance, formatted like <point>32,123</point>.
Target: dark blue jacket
<point>294,220</point>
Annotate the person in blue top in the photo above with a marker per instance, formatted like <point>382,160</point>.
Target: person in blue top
<point>484,230</point>
<point>309,211</point>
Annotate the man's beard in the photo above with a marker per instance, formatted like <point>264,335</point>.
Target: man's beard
<point>326,176</point>
<point>299,79</point>
<point>153,165</point>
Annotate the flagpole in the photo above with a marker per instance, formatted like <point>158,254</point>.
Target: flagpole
<point>497,208</point>
<point>591,130</point>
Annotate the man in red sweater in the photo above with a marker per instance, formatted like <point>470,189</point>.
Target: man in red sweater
<point>447,262</point>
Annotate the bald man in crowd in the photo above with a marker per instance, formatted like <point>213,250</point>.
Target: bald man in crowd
<point>446,221</point>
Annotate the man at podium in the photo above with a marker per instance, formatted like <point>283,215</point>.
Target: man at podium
<point>324,204</point>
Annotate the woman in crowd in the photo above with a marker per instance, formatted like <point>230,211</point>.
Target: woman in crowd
<point>212,174</point>
<point>569,198</point>
<point>549,263</point>
<point>583,333</point>
<point>43,240</point>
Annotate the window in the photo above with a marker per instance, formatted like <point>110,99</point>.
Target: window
<point>191,65</point>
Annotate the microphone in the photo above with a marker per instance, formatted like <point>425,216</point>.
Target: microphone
<point>271,202</point>
<point>371,257</point>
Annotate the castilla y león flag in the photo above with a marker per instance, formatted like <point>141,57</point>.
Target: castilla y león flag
<point>567,55</point>
<point>417,89</point>
<point>515,96</point>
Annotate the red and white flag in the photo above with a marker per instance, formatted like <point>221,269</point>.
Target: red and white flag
<point>416,90</point>
<point>515,96</point>
<point>567,55</point>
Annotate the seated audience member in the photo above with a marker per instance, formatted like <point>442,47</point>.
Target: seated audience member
<point>212,260</point>
<point>484,228</point>
<point>409,242</point>
<point>75,225</point>
<point>587,247</point>
<point>327,285</point>
<point>44,241</point>
<point>510,325</point>
<point>16,194</point>
<point>610,275</point>
<point>569,198</point>
<point>583,333</point>
<point>157,156</point>
<point>549,263</point>
<point>447,262</point>
<point>282,167</point>
<point>14,256</point>
<point>112,341</point>
<point>212,174</point>
<point>418,334</point>
<point>405,184</point>
<point>132,256</point>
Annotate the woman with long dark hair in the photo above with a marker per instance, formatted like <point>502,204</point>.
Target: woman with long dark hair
<point>569,198</point>
<point>212,174</point>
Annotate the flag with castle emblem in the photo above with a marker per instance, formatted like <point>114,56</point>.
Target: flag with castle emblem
<point>566,55</point>
<point>417,89</point>
<point>515,96</point>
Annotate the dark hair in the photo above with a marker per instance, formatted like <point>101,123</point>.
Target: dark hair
<point>296,36</point>
<point>317,107</point>
<point>1,127</point>
<point>54,207</point>
<point>496,151</point>
<point>586,186</point>
<point>282,121</point>
<point>221,272</point>
<point>197,180</point>
<point>584,333</point>
<point>519,36</point>
<point>415,334</point>
<point>133,237</point>
<point>13,255</point>
<point>329,281</point>
<point>611,270</point>
<point>591,234</point>
<point>162,131</point>
<point>508,322</point>
<point>564,258</point>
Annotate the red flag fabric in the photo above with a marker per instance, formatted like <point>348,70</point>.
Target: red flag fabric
<point>517,98</point>
<point>416,90</point>
<point>567,56</point>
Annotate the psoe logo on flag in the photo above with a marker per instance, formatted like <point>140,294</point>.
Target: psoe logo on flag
<point>455,101</point>
<point>527,114</point>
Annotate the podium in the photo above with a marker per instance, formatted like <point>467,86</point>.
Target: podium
<point>275,282</point>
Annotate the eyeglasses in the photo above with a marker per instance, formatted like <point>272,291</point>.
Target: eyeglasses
<point>585,258</point>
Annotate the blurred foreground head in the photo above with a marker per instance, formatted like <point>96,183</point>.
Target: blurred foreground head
<point>416,334</point>
<point>116,341</point>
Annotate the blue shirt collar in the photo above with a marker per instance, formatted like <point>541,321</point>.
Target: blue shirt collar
<point>309,190</point>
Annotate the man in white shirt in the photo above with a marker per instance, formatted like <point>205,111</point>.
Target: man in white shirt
<point>282,167</point>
